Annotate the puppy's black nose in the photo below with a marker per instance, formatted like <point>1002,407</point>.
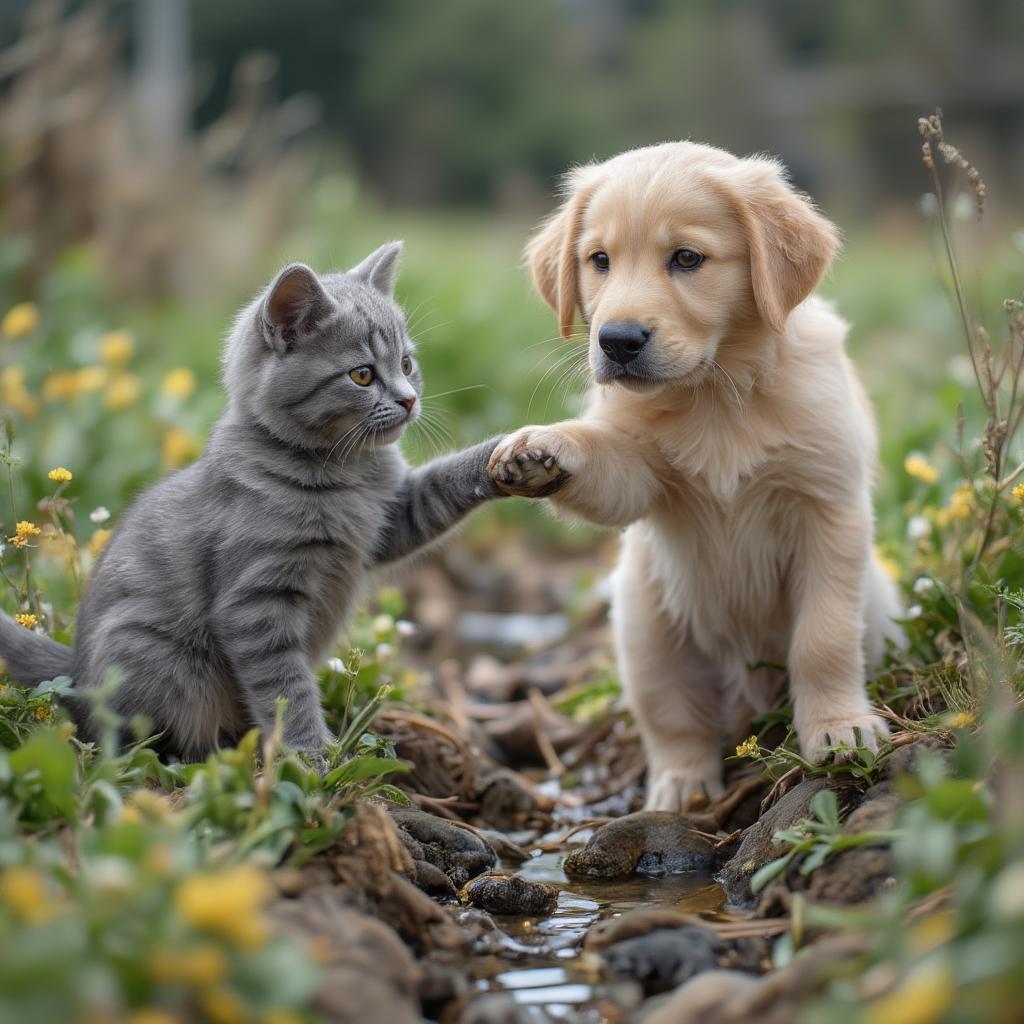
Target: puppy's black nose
<point>623,341</point>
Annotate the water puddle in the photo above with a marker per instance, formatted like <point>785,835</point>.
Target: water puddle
<point>541,963</point>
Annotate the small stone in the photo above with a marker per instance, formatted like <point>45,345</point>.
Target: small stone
<point>511,894</point>
<point>647,843</point>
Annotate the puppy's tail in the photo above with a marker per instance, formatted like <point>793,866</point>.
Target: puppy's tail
<point>29,657</point>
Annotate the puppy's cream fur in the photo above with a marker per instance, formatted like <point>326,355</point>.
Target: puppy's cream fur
<point>737,452</point>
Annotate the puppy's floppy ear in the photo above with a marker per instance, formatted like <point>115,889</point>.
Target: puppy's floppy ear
<point>791,244</point>
<point>378,270</point>
<point>295,303</point>
<point>551,253</point>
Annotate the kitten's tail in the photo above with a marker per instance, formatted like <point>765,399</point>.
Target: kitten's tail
<point>29,657</point>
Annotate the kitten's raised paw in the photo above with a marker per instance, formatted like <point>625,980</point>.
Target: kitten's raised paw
<point>530,463</point>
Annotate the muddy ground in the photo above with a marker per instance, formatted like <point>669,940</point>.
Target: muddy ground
<point>523,882</point>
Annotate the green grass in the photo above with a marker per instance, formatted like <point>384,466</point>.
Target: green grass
<point>98,890</point>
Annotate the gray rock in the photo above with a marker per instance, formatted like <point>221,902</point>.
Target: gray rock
<point>458,852</point>
<point>757,846</point>
<point>665,958</point>
<point>512,894</point>
<point>646,843</point>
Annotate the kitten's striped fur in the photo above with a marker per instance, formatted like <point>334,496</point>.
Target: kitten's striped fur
<point>226,583</point>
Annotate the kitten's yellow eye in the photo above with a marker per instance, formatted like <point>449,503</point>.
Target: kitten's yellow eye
<point>362,375</point>
<point>406,365</point>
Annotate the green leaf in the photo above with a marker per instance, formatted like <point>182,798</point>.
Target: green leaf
<point>825,808</point>
<point>50,755</point>
<point>360,768</point>
<point>771,870</point>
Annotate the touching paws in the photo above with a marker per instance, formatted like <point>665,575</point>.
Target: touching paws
<point>533,462</point>
<point>863,729</point>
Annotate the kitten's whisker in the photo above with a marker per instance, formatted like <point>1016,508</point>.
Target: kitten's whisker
<point>410,317</point>
<point>427,330</point>
<point>547,373</point>
<point>454,391</point>
<point>340,440</point>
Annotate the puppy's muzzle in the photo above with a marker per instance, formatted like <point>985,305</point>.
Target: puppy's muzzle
<point>622,342</point>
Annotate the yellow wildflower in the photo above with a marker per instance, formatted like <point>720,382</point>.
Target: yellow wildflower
<point>962,502</point>
<point>60,475</point>
<point>123,391</point>
<point>59,387</point>
<point>44,713</point>
<point>923,997</point>
<point>26,619</point>
<point>889,566</point>
<point>116,348</point>
<point>959,720</point>
<point>920,468</point>
<point>151,804</point>
<point>24,891</point>
<point>13,392</point>
<point>23,533</point>
<point>223,1006</point>
<point>280,1015</point>
<point>180,383</point>
<point>129,816</point>
<point>931,932</point>
<point>91,378</point>
<point>227,903</point>
<point>19,320</point>
<point>1018,493</point>
<point>159,859</point>
<point>152,1015</point>
<point>748,748</point>
<point>98,542</point>
<point>202,966</point>
<point>177,447</point>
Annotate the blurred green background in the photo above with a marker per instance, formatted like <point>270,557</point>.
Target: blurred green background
<point>159,159</point>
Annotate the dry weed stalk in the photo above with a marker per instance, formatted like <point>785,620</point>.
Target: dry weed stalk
<point>998,372</point>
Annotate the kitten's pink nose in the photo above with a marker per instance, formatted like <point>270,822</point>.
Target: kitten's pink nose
<point>407,403</point>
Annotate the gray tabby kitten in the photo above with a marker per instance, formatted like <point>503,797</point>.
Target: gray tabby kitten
<point>227,582</point>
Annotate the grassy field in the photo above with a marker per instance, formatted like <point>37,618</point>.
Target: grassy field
<point>164,906</point>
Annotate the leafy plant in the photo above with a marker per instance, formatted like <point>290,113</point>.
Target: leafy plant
<point>815,839</point>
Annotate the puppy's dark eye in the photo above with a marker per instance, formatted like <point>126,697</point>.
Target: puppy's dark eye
<point>362,375</point>
<point>686,259</point>
<point>406,365</point>
<point>600,261</point>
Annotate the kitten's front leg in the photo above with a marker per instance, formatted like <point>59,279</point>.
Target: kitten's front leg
<point>589,468</point>
<point>433,498</point>
<point>262,636</point>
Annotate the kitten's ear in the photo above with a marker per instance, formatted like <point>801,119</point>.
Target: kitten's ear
<point>379,268</point>
<point>296,302</point>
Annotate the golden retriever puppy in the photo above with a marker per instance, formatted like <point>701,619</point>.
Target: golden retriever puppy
<point>729,435</point>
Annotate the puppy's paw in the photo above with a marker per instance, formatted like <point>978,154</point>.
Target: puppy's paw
<point>674,789</point>
<point>861,729</point>
<point>533,462</point>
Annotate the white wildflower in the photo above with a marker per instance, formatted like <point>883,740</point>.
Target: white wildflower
<point>100,515</point>
<point>923,584</point>
<point>918,527</point>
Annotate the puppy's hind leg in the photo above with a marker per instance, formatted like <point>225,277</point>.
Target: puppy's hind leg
<point>672,688</point>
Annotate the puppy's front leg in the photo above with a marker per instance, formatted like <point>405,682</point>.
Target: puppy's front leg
<point>590,468</point>
<point>826,658</point>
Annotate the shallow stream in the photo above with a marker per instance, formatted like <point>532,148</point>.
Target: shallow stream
<point>542,963</point>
